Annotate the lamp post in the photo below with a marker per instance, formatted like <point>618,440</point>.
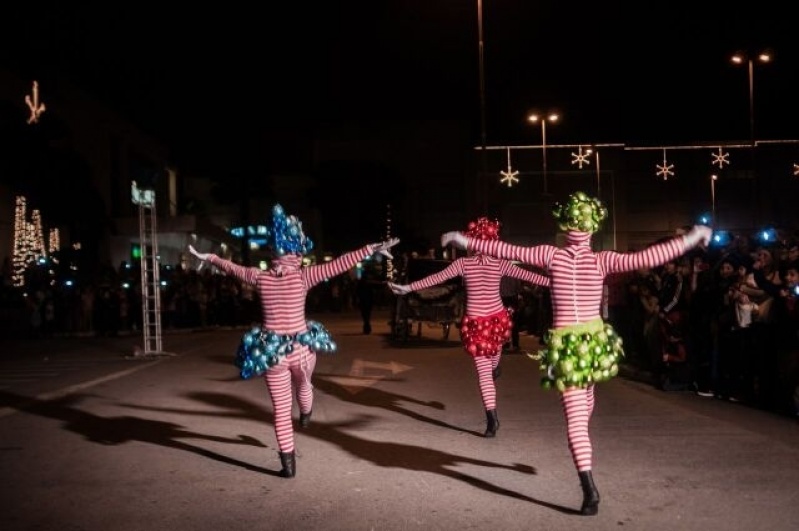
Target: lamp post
<point>550,117</point>
<point>481,187</point>
<point>740,58</point>
<point>595,152</point>
<point>713,179</point>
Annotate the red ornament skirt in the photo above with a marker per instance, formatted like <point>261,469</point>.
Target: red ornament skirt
<point>484,336</point>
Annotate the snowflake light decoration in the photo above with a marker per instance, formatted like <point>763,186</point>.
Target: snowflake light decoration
<point>36,107</point>
<point>720,158</point>
<point>509,177</point>
<point>581,157</point>
<point>665,170</point>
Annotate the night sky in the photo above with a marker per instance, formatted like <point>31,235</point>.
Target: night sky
<point>202,78</point>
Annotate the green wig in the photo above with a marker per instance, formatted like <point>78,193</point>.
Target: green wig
<point>580,213</point>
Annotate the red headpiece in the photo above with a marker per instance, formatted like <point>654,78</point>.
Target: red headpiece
<point>483,229</point>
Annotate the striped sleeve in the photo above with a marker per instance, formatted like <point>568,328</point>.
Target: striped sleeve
<point>654,255</point>
<point>315,274</point>
<point>248,275</point>
<point>451,271</point>
<point>511,270</point>
<point>540,255</point>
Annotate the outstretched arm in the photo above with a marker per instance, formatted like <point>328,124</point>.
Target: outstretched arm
<point>511,270</point>
<point>539,255</point>
<point>316,274</point>
<point>657,254</point>
<point>399,289</point>
<point>248,275</point>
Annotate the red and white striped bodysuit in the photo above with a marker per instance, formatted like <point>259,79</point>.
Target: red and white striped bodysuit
<point>481,277</point>
<point>283,290</point>
<point>577,274</point>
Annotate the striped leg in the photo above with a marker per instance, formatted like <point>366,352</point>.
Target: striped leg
<point>590,400</point>
<point>577,407</point>
<point>278,382</point>
<point>303,363</point>
<point>488,391</point>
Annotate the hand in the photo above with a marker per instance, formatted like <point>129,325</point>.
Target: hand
<point>456,238</point>
<point>699,234</point>
<point>199,256</point>
<point>399,289</point>
<point>383,247</point>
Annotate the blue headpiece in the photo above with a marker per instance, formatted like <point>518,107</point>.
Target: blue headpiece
<point>285,236</point>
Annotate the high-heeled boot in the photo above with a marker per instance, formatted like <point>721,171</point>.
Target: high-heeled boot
<point>288,463</point>
<point>305,419</point>
<point>590,505</point>
<point>492,423</point>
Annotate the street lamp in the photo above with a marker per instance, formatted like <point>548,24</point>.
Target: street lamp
<point>739,59</point>
<point>550,117</point>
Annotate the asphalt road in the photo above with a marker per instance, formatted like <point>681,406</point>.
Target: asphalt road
<point>92,438</point>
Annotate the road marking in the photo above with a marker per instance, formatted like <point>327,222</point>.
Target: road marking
<point>361,367</point>
<point>364,374</point>
<point>60,393</point>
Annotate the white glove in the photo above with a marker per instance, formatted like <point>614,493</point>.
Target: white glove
<point>699,234</point>
<point>383,247</point>
<point>199,256</point>
<point>399,289</point>
<point>456,238</point>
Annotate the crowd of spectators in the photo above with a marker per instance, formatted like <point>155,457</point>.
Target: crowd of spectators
<point>722,322</point>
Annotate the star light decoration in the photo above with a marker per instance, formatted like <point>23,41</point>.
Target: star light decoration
<point>665,170</point>
<point>720,158</point>
<point>581,157</point>
<point>36,107</point>
<point>509,177</point>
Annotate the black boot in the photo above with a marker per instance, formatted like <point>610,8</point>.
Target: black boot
<point>305,419</point>
<point>497,372</point>
<point>492,423</point>
<point>288,463</point>
<point>590,494</point>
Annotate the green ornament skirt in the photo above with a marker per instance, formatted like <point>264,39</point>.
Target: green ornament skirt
<point>580,355</point>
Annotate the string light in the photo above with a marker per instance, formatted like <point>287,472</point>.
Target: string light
<point>29,244</point>
<point>389,262</point>
<point>37,238</point>
<point>54,244</point>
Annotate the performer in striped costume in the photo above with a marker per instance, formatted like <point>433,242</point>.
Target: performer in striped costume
<point>486,326</point>
<point>580,349</point>
<point>290,342</point>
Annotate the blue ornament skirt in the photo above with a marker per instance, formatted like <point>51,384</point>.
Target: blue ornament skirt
<point>260,350</point>
<point>580,355</point>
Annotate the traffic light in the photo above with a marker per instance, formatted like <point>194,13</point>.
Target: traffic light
<point>135,251</point>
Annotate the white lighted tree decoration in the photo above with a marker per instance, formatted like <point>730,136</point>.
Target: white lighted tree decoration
<point>54,243</point>
<point>721,158</point>
<point>665,170</point>
<point>509,177</point>
<point>36,107</point>
<point>29,243</point>
<point>581,157</point>
<point>21,244</point>
<point>37,237</point>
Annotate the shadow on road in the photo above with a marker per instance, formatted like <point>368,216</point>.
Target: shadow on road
<point>379,453</point>
<point>369,396</point>
<point>118,430</point>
